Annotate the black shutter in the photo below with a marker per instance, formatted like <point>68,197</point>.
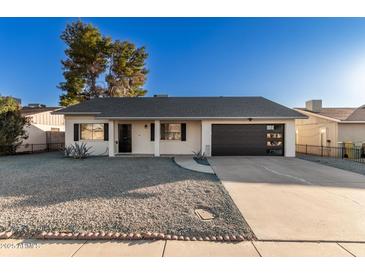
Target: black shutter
<point>162,132</point>
<point>76,132</point>
<point>152,132</point>
<point>106,132</point>
<point>183,132</point>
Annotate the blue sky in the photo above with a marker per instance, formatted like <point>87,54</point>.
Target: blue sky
<point>288,60</point>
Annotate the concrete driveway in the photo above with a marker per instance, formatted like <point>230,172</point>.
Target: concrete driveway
<point>293,199</point>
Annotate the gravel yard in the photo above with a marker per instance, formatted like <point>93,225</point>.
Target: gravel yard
<point>46,192</point>
<point>335,162</point>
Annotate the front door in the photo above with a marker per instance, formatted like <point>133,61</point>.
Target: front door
<point>125,138</point>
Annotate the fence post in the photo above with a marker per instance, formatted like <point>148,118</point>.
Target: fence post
<point>321,151</point>
<point>32,148</point>
<point>306,148</point>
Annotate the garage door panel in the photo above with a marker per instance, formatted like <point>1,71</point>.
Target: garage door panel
<point>235,139</point>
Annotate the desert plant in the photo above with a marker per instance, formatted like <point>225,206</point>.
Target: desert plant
<point>199,155</point>
<point>80,151</point>
<point>68,150</point>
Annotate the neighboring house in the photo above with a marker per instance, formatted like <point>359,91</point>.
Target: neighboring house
<point>330,126</point>
<point>44,127</point>
<point>162,125</point>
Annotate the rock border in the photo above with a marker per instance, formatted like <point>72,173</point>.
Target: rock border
<point>124,236</point>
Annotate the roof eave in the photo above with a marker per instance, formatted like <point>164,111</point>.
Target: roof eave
<point>75,113</point>
<point>317,115</point>
<point>352,122</point>
<point>200,118</point>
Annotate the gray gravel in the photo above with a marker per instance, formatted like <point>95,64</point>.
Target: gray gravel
<point>46,192</point>
<point>335,162</point>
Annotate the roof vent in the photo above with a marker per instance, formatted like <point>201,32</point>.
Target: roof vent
<point>36,105</point>
<point>160,95</point>
<point>314,105</point>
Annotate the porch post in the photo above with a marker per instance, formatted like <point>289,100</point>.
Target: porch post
<point>206,129</point>
<point>157,138</point>
<point>111,142</point>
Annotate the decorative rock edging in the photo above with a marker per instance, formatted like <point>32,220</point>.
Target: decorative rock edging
<point>123,236</point>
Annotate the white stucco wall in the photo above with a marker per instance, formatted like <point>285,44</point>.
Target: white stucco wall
<point>99,147</point>
<point>309,131</point>
<point>141,138</point>
<point>354,133</point>
<point>192,143</point>
<point>198,135</point>
<point>289,134</point>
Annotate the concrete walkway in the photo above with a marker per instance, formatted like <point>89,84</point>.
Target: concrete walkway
<point>69,248</point>
<point>189,163</point>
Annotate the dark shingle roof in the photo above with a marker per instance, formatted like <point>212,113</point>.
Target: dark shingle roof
<point>357,115</point>
<point>34,110</point>
<point>183,107</point>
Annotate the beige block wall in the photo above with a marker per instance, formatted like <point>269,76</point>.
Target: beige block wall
<point>40,123</point>
<point>308,131</point>
<point>354,133</point>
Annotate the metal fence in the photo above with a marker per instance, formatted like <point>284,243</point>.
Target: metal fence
<point>30,148</point>
<point>346,152</point>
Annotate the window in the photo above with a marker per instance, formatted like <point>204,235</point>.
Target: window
<point>274,139</point>
<point>277,127</point>
<point>92,131</point>
<point>170,131</point>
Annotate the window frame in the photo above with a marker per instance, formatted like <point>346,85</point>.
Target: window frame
<point>164,133</point>
<point>92,132</point>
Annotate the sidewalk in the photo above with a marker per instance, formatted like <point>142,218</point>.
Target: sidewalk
<point>69,248</point>
<point>188,162</point>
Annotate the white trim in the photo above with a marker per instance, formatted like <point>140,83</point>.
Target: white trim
<point>352,122</point>
<point>199,118</point>
<point>75,113</point>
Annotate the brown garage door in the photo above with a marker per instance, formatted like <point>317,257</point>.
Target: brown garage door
<point>255,140</point>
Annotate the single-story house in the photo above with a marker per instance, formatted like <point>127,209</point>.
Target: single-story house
<point>163,125</point>
<point>45,127</point>
<point>330,126</point>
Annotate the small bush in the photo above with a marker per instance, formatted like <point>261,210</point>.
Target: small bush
<point>199,156</point>
<point>80,151</point>
<point>77,151</point>
<point>68,150</point>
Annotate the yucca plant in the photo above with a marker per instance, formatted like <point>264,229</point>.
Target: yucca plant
<point>68,150</point>
<point>199,155</point>
<point>80,151</point>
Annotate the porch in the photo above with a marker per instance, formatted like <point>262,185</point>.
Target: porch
<point>154,137</point>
